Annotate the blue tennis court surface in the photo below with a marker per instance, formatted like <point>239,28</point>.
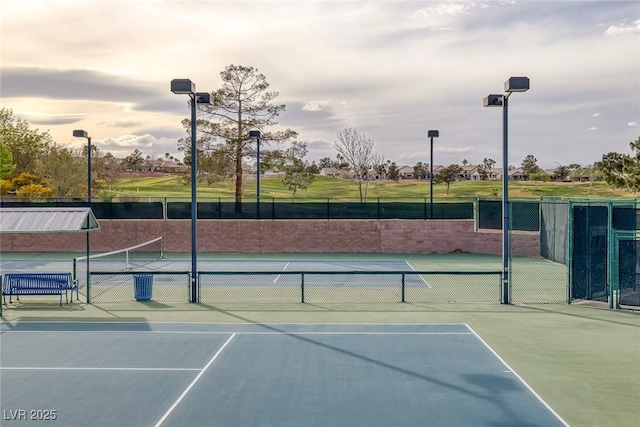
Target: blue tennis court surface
<point>188,374</point>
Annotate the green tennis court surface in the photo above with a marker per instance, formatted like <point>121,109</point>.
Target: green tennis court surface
<point>170,374</point>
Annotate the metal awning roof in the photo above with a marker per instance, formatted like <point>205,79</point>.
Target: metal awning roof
<point>47,220</point>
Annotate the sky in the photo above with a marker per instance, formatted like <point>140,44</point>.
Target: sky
<point>392,70</point>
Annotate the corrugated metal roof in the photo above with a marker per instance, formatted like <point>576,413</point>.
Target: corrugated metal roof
<point>46,220</point>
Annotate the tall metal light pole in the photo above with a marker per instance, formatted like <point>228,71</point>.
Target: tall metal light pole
<point>431,134</point>
<point>256,134</point>
<point>182,87</point>
<point>514,84</point>
<point>79,133</point>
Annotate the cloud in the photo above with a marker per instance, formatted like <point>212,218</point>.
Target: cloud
<point>70,84</point>
<point>632,124</point>
<point>595,115</point>
<point>123,145</point>
<point>50,119</point>
<point>119,124</point>
<point>593,128</point>
<point>315,105</point>
<point>623,29</point>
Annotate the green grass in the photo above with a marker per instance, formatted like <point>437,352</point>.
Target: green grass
<point>335,188</point>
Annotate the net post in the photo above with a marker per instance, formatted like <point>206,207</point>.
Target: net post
<point>302,287</point>
<point>402,287</point>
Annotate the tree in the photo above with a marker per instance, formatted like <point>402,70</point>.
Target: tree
<point>314,169</point>
<point>28,186</point>
<point>6,161</point>
<point>485,168</point>
<point>465,162</point>
<point>33,192</point>
<point>298,176</point>
<point>577,174</point>
<point>530,164</point>
<point>359,153</point>
<point>60,168</point>
<point>394,172</point>
<point>622,170</point>
<point>25,144</point>
<point>448,175</point>
<point>420,171</point>
<point>240,105</point>
<point>611,167</point>
<point>539,175</point>
<point>104,167</point>
<point>325,162</point>
<point>561,172</point>
<point>135,160</point>
<point>631,166</point>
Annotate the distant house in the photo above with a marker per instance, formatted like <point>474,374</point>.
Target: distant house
<point>466,174</point>
<point>333,172</point>
<point>493,174</point>
<point>437,169</point>
<point>405,172</point>
<point>166,166</point>
<point>554,176</point>
<point>518,175</point>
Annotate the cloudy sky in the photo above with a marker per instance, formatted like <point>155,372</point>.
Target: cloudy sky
<point>390,69</point>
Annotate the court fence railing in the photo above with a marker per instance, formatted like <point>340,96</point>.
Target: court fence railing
<point>219,287</point>
<point>485,212</point>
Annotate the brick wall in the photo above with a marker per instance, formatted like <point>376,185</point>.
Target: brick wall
<point>283,236</point>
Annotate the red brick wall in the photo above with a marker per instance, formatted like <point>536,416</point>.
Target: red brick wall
<point>282,236</point>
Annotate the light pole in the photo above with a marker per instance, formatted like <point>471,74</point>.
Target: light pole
<point>431,134</point>
<point>187,87</point>
<point>514,84</point>
<point>256,134</point>
<point>79,133</point>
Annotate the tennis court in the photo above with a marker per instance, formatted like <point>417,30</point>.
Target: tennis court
<point>204,374</point>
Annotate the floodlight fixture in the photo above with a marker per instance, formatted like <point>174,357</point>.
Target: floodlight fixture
<point>433,134</point>
<point>254,134</point>
<point>79,133</point>
<point>517,84</point>
<point>183,86</point>
<point>204,98</point>
<point>493,101</point>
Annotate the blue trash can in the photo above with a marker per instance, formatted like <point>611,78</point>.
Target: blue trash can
<point>143,286</point>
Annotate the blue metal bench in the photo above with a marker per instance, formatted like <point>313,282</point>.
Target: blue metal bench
<point>39,284</point>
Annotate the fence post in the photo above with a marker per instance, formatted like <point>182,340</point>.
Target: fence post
<point>328,210</point>
<point>302,286</point>
<point>402,287</point>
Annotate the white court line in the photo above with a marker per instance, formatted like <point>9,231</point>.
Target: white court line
<point>195,380</point>
<point>255,333</point>
<point>421,278</point>
<point>283,269</point>
<point>46,368</point>
<point>540,399</point>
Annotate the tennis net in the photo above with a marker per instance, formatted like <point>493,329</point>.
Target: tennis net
<point>127,258</point>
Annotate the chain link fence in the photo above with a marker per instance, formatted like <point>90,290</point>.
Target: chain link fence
<point>129,286</point>
<point>537,262</point>
<point>349,287</point>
